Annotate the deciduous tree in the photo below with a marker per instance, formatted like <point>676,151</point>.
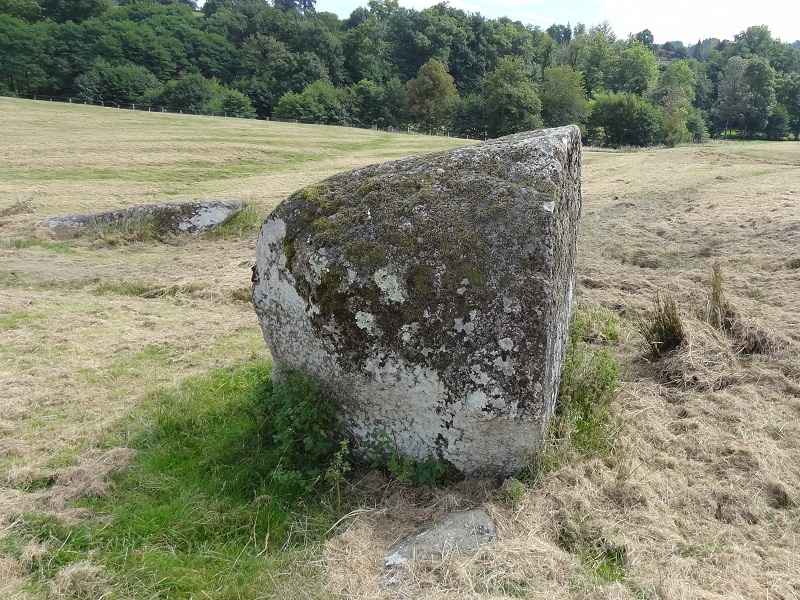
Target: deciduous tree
<point>563,97</point>
<point>511,101</point>
<point>430,94</point>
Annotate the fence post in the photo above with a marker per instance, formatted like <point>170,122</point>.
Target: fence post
<point>70,100</point>
<point>34,96</point>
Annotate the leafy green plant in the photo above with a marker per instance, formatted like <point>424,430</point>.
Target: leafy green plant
<point>404,469</point>
<point>663,330</point>
<point>515,492</point>
<point>301,427</point>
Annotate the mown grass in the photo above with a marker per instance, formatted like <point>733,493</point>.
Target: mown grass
<point>197,514</point>
<point>21,243</point>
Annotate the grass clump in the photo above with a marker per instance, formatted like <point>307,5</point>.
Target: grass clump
<point>22,243</point>
<point>125,232</point>
<point>221,496</point>
<point>146,289</point>
<point>663,330</point>
<point>20,207</point>
<point>581,424</point>
<point>243,225</point>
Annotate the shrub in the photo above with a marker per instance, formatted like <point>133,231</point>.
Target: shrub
<point>696,124</point>
<point>114,84</point>
<point>623,119</point>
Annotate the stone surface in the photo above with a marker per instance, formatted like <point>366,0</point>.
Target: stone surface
<point>431,296</point>
<point>172,217</point>
<point>455,533</point>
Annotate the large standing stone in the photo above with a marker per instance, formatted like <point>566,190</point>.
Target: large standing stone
<point>431,296</point>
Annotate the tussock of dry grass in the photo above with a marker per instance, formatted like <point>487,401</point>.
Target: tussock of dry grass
<point>79,581</point>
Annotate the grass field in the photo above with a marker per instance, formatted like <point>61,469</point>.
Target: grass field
<point>130,462</point>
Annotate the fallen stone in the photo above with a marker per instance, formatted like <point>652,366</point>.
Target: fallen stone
<point>456,533</point>
<point>430,297</point>
<point>172,217</point>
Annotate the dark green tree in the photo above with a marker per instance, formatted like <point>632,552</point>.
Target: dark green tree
<point>760,77</point>
<point>430,94</point>
<point>563,97</point>
<point>645,38</point>
<point>787,92</point>
<point>561,34</point>
<point>73,10</point>
<point>636,68</point>
<point>319,102</point>
<point>623,119</point>
<point>115,84</point>
<point>733,95</point>
<point>27,10</point>
<point>468,117</point>
<point>511,101</point>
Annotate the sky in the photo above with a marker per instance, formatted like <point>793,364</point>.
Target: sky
<point>668,20</point>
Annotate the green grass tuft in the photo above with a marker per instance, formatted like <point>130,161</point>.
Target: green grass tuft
<point>581,425</point>
<point>243,225</point>
<point>663,331</point>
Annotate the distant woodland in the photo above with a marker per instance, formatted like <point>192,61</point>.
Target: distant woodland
<point>436,70</point>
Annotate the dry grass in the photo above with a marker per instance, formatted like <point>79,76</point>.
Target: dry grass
<point>701,490</point>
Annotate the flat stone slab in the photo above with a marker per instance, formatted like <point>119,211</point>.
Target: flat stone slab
<point>191,217</point>
<point>456,533</point>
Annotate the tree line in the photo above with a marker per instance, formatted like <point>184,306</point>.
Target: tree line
<point>439,69</point>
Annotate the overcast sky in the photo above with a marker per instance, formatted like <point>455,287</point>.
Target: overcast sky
<point>669,20</point>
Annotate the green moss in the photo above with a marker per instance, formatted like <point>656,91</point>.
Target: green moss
<point>289,252</point>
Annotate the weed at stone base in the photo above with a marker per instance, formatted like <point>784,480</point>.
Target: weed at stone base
<point>581,425</point>
<point>301,426</point>
<point>243,225</point>
<point>384,454</point>
<point>126,231</point>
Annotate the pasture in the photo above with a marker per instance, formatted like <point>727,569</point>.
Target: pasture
<point>127,365</point>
